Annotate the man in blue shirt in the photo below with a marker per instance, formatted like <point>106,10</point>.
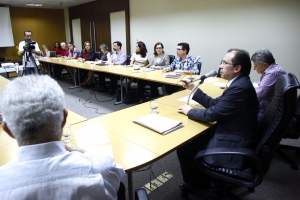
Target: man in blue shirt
<point>184,63</point>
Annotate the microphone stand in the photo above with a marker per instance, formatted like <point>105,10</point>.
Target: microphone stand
<point>196,86</point>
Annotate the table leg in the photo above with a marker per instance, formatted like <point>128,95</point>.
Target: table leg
<point>130,186</point>
<point>119,102</point>
<point>75,79</point>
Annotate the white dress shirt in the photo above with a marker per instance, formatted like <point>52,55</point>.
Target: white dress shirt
<point>48,171</point>
<point>25,56</point>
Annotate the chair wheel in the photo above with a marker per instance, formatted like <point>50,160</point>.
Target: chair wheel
<point>294,166</point>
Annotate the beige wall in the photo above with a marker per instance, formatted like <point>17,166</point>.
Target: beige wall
<point>212,27</point>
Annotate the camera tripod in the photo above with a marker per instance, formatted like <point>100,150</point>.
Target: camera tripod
<point>35,67</point>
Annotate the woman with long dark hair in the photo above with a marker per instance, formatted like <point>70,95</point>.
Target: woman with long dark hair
<point>57,49</point>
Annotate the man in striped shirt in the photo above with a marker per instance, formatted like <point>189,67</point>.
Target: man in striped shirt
<point>264,64</point>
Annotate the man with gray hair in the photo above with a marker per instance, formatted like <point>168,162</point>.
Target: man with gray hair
<point>45,168</point>
<point>264,64</point>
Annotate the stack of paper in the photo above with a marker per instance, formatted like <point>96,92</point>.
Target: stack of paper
<point>172,75</point>
<point>158,123</point>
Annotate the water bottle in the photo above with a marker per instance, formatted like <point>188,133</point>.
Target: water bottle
<point>17,68</point>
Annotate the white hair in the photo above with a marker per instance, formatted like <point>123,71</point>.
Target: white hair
<point>32,107</point>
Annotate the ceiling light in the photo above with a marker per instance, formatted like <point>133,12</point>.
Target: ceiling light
<point>34,4</point>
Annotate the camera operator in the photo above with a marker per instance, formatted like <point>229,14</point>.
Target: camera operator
<point>29,50</point>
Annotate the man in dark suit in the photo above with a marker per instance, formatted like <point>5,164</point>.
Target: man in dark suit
<point>235,112</point>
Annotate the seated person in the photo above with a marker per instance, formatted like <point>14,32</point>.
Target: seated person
<point>235,112</point>
<point>45,52</point>
<point>104,57</point>
<point>183,64</point>
<point>142,59</point>
<point>264,64</point>
<point>74,53</point>
<point>118,57</point>
<point>45,168</point>
<point>57,49</point>
<point>88,54</point>
<point>57,69</point>
<point>161,59</point>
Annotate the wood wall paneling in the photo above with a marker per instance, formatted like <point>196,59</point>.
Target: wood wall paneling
<point>102,30</point>
<point>47,26</point>
<point>99,11</point>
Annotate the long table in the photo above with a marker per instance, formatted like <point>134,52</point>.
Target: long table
<point>135,146</point>
<point>121,70</point>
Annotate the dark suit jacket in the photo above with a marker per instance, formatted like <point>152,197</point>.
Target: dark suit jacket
<point>236,114</point>
<point>91,55</point>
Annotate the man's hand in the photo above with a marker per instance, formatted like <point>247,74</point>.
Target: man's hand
<point>186,83</point>
<point>74,148</point>
<point>184,109</point>
<point>166,69</point>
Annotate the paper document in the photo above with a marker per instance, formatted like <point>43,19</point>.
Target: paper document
<point>172,75</point>
<point>220,84</point>
<point>105,150</point>
<point>159,123</point>
<point>210,80</point>
<point>91,136</point>
<point>184,99</point>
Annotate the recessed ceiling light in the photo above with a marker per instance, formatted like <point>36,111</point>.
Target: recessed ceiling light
<point>34,4</point>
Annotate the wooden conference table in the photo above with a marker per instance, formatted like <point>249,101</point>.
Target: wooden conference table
<point>121,70</point>
<point>134,146</point>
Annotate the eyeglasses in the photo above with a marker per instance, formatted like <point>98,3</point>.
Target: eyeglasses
<point>226,63</point>
<point>179,49</point>
<point>158,48</point>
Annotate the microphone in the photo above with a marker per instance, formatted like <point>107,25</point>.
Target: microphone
<point>196,60</point>
<point>210,74</point>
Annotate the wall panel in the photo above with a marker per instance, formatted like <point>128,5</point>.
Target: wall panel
<point>212,27</point>
<point>35,20</point>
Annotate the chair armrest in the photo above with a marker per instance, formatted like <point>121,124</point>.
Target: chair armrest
<point>141,194</point>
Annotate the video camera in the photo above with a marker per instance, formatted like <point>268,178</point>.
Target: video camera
<point>30,46</point>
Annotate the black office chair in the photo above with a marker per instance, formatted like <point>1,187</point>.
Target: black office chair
<point>293,132</point>
<point>128,60</point>
<point>52,54</point>
<point>271,129</point>
<point>98,55</point>
<point>199,64</point>
<point>171,57</point>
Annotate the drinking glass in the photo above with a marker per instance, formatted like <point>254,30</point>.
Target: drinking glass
<point>67,133</point>
<point>153,106</point>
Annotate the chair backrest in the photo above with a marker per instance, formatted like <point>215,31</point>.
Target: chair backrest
<point>52,54</point>
<point>273,125</point>
<point>128,60</point>
<point>97,53</point>
<point>293,131</point>
<point>199,64</point>
<point>171,57</point>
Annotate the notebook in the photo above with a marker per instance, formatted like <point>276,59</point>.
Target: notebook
<point>158,123</point>
<point>172,75</point>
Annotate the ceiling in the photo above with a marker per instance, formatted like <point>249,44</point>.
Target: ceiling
<point>55,4</point>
